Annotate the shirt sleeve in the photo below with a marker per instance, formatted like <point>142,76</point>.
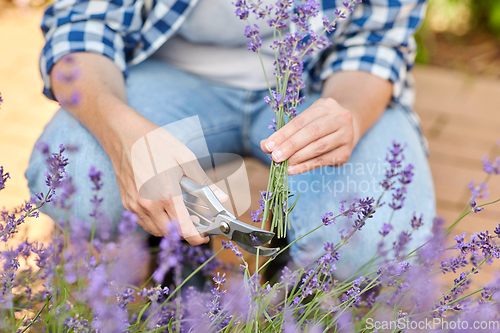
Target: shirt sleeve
<point>379,40</point>
<point>107,27</point>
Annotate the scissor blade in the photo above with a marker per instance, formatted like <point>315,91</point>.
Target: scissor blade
<point>263,251</point>
<point>253,238</point>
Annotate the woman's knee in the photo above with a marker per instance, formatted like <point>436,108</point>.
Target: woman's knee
<point>83,151</point>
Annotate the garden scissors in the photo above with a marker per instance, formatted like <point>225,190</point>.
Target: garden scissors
<point>246,236</point>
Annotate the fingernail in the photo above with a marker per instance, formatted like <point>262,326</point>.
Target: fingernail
<point>220,194</point>
<point>277,154</point>
<point>269,145</point>
<point>290,170</point>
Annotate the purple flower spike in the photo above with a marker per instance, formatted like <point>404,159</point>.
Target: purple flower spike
<point>95,177</point>
<point>386,228</point>
<point>3,178</point>
<point>497,230</point>
<point>327,219</point>
<point>242,9</point>
<point>491,167</point>
<point>416,222</point>
<point>168,258</point>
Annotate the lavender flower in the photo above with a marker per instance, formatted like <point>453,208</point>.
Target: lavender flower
<point>153,294</point>
<point>255,41</point>
<point>395,161</point>
<point>289,325</point>
<point>107,317</point>
<point>56,164</point>
<point>168,258</point>
<point>95,177</point>
<point>365,211</point>
<point>416,222</point>
<point>491,167</point>
<point>273,125</point>
<point>477,191</point>
<point>327,219</point>
<point>220,279</point>
<point>242,9</point>
<point>288,277</point>
<point>256,214</point>
<point>355,292</point>
<point>386,228</point>
<point>3,177</point>
<point>68,77</point>
<point>128,223</point>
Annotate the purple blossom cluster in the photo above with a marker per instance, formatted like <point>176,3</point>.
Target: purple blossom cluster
<point>256,215</point>
<point>168,257</point>
<point>3,178</point>
<point>67,75</point>
<point>478,192</point>
<point>492,168</point>
<point>228,245</point>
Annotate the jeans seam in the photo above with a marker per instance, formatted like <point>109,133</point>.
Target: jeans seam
<point>246,121</point>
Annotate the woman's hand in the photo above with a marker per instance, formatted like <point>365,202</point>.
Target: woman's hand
<point>158,200</point>
<point>321,135</point>
<point>104,112</point>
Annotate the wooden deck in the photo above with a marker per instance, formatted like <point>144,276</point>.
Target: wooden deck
<point>460,117</point>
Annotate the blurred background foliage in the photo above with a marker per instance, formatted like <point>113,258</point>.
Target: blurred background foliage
<point>463,35</point>
<point>457,34</point>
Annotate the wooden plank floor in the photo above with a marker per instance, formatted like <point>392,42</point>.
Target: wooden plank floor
<point>460,117</point>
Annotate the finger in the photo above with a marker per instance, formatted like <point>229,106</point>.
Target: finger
<point>316,129</point>
<point>318,147</point>
<point>155,210</point>
<point>195,172</point>
<point>336,157</point>
<point>188,230</point>
<point>296,124</point>
<point>148,224</point>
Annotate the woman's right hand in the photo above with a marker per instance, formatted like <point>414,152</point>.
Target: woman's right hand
<point>103,110</point>
<point>159,201</point>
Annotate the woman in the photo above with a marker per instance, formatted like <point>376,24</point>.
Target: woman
<point>189,58</point>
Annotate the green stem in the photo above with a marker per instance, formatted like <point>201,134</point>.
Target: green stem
<point>475,269</point>
<point>39,313</point>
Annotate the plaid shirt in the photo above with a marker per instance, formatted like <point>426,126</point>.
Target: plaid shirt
<point>377,37</point>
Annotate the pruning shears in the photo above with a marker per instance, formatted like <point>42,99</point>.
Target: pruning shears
<point>246,236</point>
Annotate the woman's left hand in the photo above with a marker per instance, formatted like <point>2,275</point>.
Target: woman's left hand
<point>321,135</point>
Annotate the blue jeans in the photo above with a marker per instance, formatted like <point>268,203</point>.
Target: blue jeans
<point>235,121</point>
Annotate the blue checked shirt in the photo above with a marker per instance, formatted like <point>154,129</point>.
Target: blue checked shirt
<point>377,37</point>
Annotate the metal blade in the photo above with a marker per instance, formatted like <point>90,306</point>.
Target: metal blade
<point>254,238</point>
<point>263,251</point>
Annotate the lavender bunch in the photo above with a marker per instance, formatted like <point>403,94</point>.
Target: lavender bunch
<point>294,41</point>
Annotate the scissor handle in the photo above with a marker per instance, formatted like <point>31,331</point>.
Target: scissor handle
<point>204,193</point>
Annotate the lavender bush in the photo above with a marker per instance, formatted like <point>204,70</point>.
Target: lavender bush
<point>90,277</point>
<point>87,280</point>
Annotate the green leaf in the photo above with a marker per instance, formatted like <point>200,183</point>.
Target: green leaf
<point>142,312</point>
<point>170,324</point>
<point>293,206</point>
<point>494,18</point>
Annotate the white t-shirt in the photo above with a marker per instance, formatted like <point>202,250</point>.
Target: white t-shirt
<point>211,44</point>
